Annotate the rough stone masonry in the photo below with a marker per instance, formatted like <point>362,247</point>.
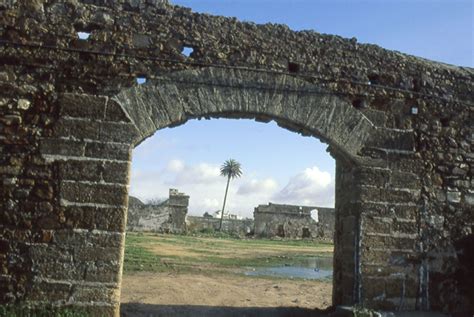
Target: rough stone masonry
<point>294,222</point>
<point>168,216</point>
<point>400,128</point>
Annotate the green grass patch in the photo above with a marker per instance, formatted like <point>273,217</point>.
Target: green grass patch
<point>211,254</point>
<point>138,258</point>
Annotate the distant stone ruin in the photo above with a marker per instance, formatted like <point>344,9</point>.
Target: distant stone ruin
<point>240,227</point>
<point>168,217</point>
<point>289,221</point>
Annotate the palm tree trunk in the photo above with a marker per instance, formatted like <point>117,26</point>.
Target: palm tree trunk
<point>223,206</point>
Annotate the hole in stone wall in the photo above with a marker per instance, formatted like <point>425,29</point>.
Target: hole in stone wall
<point>374,79</point>
<point>187,51</point>
<point>280,231</point>
<point>445,122</point>
<point>416,84</point>
<point>83,35</point>
<point>141,80</point>
<point>359,103</point>
<point>306,233</point>
<point>293,67</point>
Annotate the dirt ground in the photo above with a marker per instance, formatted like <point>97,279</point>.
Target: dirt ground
<point>154,294</point>
<point>181,276</point>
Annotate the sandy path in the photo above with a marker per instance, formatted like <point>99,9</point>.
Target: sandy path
<point>223,290</point>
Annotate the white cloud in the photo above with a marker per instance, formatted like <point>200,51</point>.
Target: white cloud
<point>202,173</point>
<point>148,185</point>
<point>256,186</point>
<point>203,183</point>
<point>175,166</point>
<point>210,204</point>
<point>310,187</point>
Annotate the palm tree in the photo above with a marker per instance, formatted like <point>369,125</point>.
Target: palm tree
<point>231,169</point>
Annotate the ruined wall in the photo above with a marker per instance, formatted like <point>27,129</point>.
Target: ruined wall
<point>326,222</point>
<point>291,222</point>
<point>399,127</point>
<point>167,217</point>
<point>240,227</point>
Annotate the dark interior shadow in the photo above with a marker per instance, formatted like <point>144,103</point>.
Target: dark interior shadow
<point>149,310</point>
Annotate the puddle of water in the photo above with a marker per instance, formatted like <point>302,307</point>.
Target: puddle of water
<point>292,272</point>
<point>315,268</point>
<point>318,262</point>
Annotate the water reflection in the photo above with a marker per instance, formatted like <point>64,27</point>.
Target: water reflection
<point>311,268</point>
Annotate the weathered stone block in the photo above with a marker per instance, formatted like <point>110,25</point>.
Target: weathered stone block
<point>79,237</point>
<point>372,176</point>
<point>111,151</point>
<point>373,287</point>
<point>83,106</point>
<point>469,197</point>
<point>58,270</point>
<point>405,180</point>
<point>115,113</point>
<point>94,193</point>
<point>386,241</point>
<point>383,209</point>
<point>116,172</point>
<point>102,271</point>
<point>394,287</point>
<point>141,40</point>
<point>62,147</point>
<point>82,129</point>
<point>405,226</point>
<point>377,225</point>
<point>49,253</point>
<point>52,291</point>
<point>118,132</point>
<point>91,253</point>
<point>398,140</point>
<point>99,293</point>
<point>392,195</point>
<point>453,196</point>
<point>80,170</point>
<point>374,257</point>
<point>100,218</point>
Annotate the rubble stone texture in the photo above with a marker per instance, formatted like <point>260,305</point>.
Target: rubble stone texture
<point>236,227</point>
<point>400,128</point>
<point>293,222</point>
<point>169,216</point>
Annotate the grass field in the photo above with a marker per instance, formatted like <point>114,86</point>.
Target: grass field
<point>185,273</point>
<point>151,252</point>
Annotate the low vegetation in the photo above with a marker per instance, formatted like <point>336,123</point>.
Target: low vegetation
<point>215,253</point>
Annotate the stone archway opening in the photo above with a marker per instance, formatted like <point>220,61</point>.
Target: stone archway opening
<point>293,104</point>
<point>297,231</point>
<point>98,133</point>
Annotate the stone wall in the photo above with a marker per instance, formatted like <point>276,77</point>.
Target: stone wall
<point>167,217</point>
<point>293,222</point>
<point>239,227</point>
<point>399,127</point>
<point>327,222</point>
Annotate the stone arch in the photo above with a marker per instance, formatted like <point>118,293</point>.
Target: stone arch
<point>91,148</point>
<point>293,103</point>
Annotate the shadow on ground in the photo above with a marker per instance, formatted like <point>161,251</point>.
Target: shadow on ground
<point>149,310</point>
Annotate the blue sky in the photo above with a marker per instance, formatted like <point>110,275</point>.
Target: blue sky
<point>282,166</point>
